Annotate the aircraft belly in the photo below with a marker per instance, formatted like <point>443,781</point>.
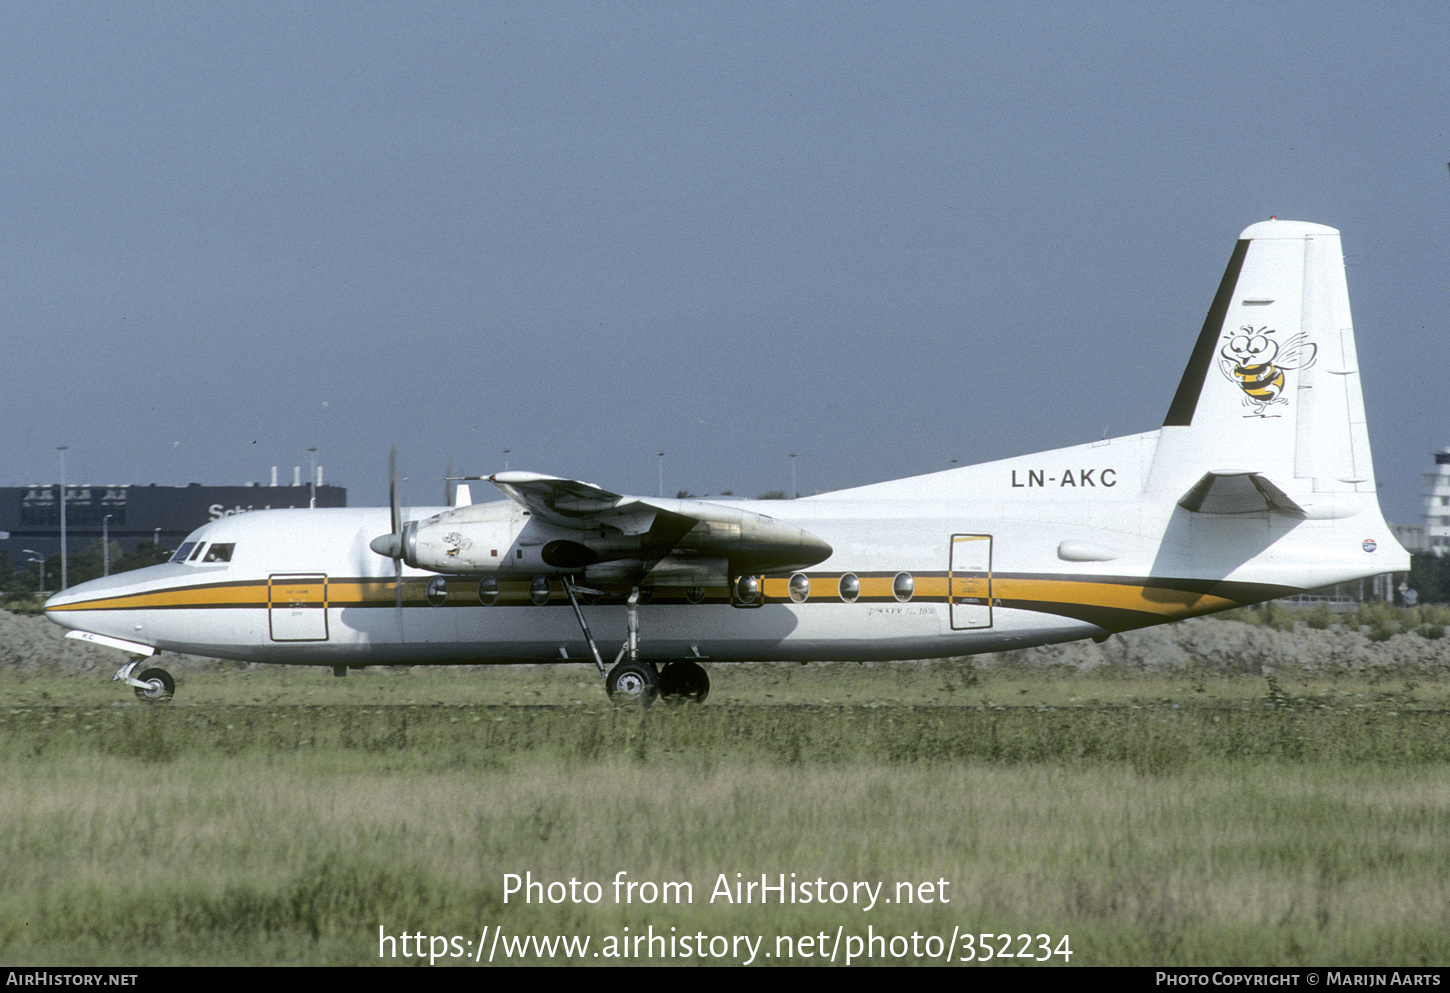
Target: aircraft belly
<point>708,632</point>
<point>775,631</point>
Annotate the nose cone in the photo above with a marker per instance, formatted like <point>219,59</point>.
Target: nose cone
<point>389,545</point>
<point>813,549</point>
<point>111,605</point>
<point>56,606</point>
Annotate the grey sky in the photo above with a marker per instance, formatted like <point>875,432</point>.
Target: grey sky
<point>879,235</point>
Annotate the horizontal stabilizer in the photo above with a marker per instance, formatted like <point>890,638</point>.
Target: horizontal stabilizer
<point>1238,493</point>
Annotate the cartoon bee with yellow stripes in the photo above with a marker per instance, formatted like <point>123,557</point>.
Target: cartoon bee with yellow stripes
<point>1257,364</point>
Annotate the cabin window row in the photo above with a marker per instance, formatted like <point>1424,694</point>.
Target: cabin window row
<point>747,589</point>
<point>903,587</point>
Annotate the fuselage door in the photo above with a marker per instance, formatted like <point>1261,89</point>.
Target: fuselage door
<point>297,607</point>
<point>970,581</point>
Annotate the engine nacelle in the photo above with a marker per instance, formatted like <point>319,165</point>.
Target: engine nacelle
<point>702,547</point>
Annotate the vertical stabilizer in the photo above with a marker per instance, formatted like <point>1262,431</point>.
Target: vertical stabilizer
<point>1273,386</point>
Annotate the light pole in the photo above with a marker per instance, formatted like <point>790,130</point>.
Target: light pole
<point>64,574</point>
<point>106,545</point>
<point>40,559</point>
<point>312,478</point>
<point>793,491</point>
<point>662,475</point>
<point>506,459</point>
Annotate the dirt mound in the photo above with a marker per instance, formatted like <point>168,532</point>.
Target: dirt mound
<point>30,643</point>
<point>1235,647</point>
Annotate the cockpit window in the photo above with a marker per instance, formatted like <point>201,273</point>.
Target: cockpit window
<point>184,552</point>
<point>196,554</point>
<point>220,552</point>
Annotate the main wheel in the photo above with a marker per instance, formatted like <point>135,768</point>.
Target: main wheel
<point>684,680</point>
<point>633,682</point>
<point>161,687</point>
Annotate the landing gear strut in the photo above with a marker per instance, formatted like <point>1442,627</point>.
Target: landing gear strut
<point>634,680</point>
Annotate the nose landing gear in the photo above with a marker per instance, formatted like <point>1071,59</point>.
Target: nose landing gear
<point>153,685</point>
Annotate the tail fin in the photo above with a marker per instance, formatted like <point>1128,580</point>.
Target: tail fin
<point>1272,390</point>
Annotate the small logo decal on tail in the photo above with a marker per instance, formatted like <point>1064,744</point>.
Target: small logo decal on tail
<point>1369,545</point>
<point>1256,363</point>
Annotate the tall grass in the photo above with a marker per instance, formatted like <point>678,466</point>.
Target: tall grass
<point>1286,827</point>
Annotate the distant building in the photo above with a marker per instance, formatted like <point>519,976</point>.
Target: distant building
<point>1411,537</point>
<point>164,515</point>
<point>1436,507</point>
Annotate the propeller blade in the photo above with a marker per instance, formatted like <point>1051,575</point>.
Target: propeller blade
<point>393,498</point>
<point>395,540</point>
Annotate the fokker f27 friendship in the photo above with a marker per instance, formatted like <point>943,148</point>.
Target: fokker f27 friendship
<point>1258,485</point>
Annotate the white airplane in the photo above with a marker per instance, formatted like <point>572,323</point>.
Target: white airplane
<point>1258,485</point>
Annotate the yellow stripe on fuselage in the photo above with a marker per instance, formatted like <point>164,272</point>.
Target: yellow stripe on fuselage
<point>1137,597</point>
<point>1119,596</point>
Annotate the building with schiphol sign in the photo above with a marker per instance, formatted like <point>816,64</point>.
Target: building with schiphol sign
<point>129,515</point>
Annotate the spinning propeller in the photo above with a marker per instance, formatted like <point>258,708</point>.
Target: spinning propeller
<point>391,545</point>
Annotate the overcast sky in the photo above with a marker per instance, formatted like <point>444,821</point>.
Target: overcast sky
<point>882,236</point>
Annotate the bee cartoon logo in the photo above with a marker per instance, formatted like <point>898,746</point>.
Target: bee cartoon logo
<point>1257,363</point>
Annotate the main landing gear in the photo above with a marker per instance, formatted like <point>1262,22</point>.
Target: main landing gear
<point>635,680</point>
<point>640,683</point>
<point>152,686</point>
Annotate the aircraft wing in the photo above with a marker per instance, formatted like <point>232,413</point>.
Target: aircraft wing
<point>570,503</point>
<point>607,535</point>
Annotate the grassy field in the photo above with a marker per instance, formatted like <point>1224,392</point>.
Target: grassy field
<point>278,816</point>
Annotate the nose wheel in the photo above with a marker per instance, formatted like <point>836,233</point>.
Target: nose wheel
<point>159,688</point>
<point>152,686</point>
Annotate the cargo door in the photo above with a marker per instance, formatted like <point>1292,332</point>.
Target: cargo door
<point>297,607</point>
<point>970,581</point>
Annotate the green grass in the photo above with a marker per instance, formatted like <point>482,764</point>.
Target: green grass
<point>946,682</point>
<point>282,817</point>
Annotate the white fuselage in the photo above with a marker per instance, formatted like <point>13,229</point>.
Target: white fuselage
<point>1259,484</point>
<point>1030,551</point>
